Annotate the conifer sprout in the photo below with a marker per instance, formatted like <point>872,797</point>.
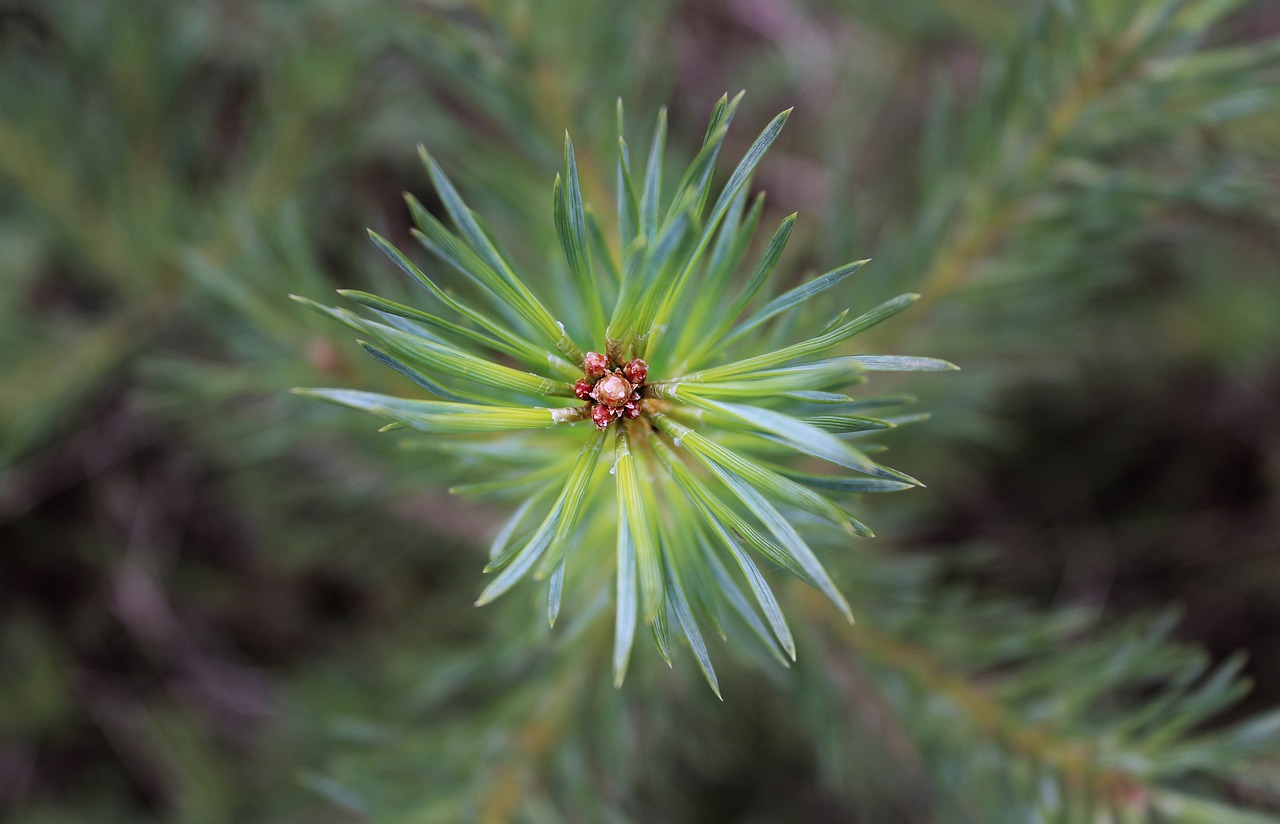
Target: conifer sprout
<point>682,395</point>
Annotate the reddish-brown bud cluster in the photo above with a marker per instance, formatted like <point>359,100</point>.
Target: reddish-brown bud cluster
<point>615,391</point>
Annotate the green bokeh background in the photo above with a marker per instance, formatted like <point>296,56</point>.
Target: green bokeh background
<point>215,592</point>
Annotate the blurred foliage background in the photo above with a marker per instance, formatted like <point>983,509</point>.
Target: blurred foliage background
<point>222,603</point>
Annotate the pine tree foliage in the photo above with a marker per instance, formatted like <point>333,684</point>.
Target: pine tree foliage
<point>1011,713</point>
<point>1099,129</point>
<point>1094,131</point>
<point>676,366</point>
<point>1003,711</point>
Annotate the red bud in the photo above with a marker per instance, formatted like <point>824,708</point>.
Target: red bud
<point>612,390</point>
<point>595,364</point>
<point>600,415</point>
<point>636,371</point>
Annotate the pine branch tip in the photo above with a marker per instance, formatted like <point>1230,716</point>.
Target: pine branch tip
<point>666,229</point>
